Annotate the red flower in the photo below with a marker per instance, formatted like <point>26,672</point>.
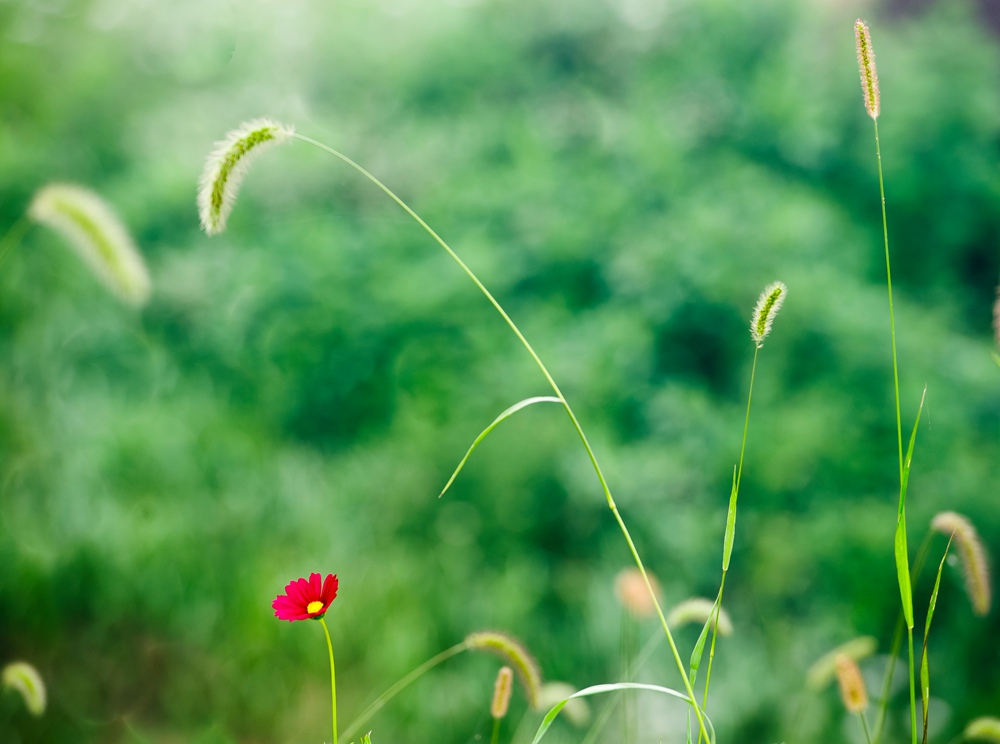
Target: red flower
<point>306,598</point>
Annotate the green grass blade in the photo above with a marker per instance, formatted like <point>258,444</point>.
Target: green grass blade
<point>602,689</point>
<point>903,569</point>
<point>505,415</point>
<point>899,543</point>
<point>925,675</point>
<point>699,646</point>
<point>727,545</point>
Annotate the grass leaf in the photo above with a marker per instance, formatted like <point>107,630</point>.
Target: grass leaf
<point>506,414</point>
<point>601,689</point>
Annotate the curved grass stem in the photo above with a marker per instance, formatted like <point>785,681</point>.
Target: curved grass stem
<point>555,388</point>
<point>402,684</point>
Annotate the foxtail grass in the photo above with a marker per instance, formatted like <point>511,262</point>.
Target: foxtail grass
<point>853,693</point>
<point>23,678</point>
<point>761,322</point>
<point>97,235</point>
<point>505,647</point>
<point>873,106</point>
<point>975,564</point>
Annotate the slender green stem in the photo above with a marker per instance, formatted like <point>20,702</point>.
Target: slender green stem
<point>496,731</point>
<point>711,648</point>
<point>913,687</point>
<point>13,237</point>
<point>864,727</point>
<point>899,425</point>
<point>736,493</point>
<point>401,685</point>
<point>892,316</point>
<point>333,678</point>
<point>555,388</point>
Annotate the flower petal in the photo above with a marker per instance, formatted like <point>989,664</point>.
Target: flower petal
<point>330,589</point>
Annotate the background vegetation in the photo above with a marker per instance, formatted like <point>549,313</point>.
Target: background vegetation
<point>626,175</point>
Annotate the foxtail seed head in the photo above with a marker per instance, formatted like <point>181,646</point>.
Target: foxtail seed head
<point>502,690</point>
<point>24,678</point>
<point>94,231</point>
<point>226,166</point>
<point>824,669</point>
<point>852,686</point>
<point>866,64</point>
<point>515,654</point>
<point>634,596</point>
<point>698,610</point>
<point>986,728</point>
<point>975,564</point>
<point>768,305</point>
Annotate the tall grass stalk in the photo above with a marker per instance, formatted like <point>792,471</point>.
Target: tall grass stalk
<point>870,90</point>
<point>555,388</point>
<point>764,313</point>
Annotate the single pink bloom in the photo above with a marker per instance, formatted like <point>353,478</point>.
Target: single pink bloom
<point>306,598</point>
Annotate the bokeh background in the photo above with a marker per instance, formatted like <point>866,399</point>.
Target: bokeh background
<point>626,176</point>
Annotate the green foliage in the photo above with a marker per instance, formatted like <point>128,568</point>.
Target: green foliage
<point>625,177</point>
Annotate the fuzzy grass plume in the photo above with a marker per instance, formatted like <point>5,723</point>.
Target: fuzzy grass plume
<point>986,728</point>
<point>975,564</point>
<point>515,654</point>
<point>24,678</point>
<point>866,65</point>
<point>502,690</point>
<point>633,595</point>
<point>226,166</point>
<point>824,669</point>
<point>95,232</point>
<point>853,692</point>
<point>768,305</point>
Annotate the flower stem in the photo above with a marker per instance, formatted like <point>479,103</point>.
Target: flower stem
<point>496,731</point>
<point>333,678</point>
<point>569,411</point>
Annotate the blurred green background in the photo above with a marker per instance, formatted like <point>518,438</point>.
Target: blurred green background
<point>626,176</point>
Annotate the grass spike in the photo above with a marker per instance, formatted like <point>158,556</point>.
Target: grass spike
<point>975,563</point>
<point>95,232</point>
<point>227,165</point>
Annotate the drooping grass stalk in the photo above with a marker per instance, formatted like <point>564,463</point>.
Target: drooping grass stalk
<point>493,642</point>
<point>401,685</point>
<point>220,180</point>
<point>555,388</point>
<point>333,678</point>
<point>870,90</point>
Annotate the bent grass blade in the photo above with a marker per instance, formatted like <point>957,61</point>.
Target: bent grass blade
<point>601,689</point>
<point>520,405</point>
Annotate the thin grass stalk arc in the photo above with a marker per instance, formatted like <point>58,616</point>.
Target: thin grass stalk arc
<point>555,388</point>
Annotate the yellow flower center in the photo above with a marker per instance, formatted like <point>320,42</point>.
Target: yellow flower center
<point>314,607</point>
